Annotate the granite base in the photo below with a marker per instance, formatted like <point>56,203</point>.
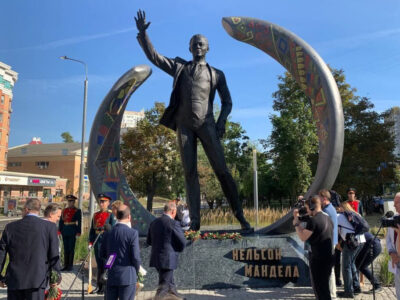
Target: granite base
<point>213,264</point>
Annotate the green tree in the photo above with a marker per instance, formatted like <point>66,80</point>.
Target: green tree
<point>151,159</point>
<point>67,137</point>
<point>293,139</point>
<point>368,143</point>
<point>368,149</point>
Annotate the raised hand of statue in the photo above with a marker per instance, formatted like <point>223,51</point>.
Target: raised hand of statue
<point>141,21</point>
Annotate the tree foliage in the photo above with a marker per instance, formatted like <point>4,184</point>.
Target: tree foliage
<point>67,137</point>
<point>293,143</point>
<point>293,139</point>
<point>151,159</point>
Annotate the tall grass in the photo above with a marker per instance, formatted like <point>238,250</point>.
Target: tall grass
<point>224,216</point>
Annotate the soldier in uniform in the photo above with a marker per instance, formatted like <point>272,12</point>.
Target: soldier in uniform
<point>70,228</point>
<point>100,220</point>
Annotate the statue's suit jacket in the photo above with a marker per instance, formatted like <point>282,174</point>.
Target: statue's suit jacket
<point>167,240</point>
<point>174,68</point>
<point>32,246</point>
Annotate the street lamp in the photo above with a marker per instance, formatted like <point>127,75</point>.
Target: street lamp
<point>81,173</point>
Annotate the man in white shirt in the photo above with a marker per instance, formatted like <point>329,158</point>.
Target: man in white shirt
<point>391,238</point>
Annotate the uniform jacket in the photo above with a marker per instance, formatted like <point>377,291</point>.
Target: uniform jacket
<point>167,240</point>
<point>32,246</point>
<point>70,221</point>
<point>100,219</point>
<point>123,241</point>
<point>174,68</point>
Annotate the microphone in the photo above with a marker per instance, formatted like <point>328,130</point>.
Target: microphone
<point>389,214</point>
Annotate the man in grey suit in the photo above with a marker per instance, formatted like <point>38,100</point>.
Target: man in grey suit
<point>190,114</point>
<point>32,246</point>
<point>167,240</point>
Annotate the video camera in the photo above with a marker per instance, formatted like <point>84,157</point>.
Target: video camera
<point>389,221</point>
<point>301,206</point>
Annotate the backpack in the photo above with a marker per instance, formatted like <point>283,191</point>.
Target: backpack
<point>359,224</point>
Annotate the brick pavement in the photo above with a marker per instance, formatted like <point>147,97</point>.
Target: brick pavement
<point>287,293</point>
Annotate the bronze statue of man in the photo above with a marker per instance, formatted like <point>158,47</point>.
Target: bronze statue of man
<point>190,114</point>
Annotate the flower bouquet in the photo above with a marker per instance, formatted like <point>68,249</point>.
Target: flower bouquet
<point>54,293</point>
<point>195,235</point>
<point>140,279</point>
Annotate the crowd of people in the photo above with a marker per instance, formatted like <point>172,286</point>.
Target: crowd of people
<point>110,236</point>
<point>337,236</point>
<point>339,243</point>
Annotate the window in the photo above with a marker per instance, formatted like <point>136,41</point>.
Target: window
<point>24,150</point>
<point>14,164</point>
<point>32,192</point>
<point>1,117</point>
<point>64,151</point>
<point>2,99</point>
<point>42,164</point>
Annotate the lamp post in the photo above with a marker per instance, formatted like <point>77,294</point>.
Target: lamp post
<point>81,173</point>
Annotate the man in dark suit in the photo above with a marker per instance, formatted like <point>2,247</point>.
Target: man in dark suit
<point>32,246</point>
<point>167,240</point>
<point>190,114</point>
<point>124,242</point>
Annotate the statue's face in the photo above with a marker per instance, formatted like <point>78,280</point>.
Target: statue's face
<point>199,46</point>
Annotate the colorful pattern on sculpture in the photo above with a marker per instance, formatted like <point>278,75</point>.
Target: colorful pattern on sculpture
<point>317,82</point>
<point>104,163</point>
<point>289,54</point>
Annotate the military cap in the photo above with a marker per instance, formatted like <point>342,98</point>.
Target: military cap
<point>351,190</point>
<point>103,197</point>
<point>70,197</point>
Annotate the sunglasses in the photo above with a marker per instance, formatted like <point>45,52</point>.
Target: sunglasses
<point>103,201</point>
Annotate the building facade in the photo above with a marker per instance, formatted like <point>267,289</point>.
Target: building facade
<point>395,118</point>
<point>8,78</point>
<point>130,120</point>
<point>16,188</point>
<point>60,159</point>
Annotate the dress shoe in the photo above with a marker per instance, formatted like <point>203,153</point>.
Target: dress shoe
<point>377,289</point>
<point>345,295</point>
<point>94,291</point>
<point>176,294</point>
<point>357,291</point>
<point>64,269</point>
<point>338,282</point>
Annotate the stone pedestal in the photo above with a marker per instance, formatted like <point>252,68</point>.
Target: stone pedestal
<point>257,261</point>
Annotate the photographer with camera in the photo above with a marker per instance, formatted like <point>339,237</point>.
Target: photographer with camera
<point>392,245</point>
<point>351,229</point>
<point>318,232</point>
<point>330,210</point>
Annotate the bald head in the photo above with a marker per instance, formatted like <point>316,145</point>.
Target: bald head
<point>170,209</point>
<point>123,213</point>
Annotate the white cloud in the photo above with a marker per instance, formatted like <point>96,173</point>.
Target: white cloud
<point>73,40</point>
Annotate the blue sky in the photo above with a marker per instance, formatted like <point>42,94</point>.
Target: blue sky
<point>360,36</point>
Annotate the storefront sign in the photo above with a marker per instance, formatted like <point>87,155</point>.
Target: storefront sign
<point>41,181</point>
<point>13,180</point>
